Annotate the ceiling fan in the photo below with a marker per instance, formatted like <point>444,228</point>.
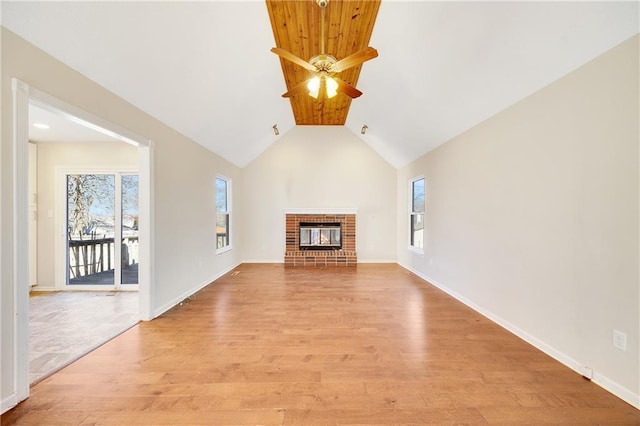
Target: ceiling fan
<point>324,67</point>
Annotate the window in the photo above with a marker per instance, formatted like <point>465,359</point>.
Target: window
<point>416,239</point>
<point>223,214</point>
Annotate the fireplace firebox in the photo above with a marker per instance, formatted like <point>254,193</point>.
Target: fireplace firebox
<point>320,236</point>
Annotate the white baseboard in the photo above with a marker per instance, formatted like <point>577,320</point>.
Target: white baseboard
<point>602,381</point>
<point>377,261</point>
<point>619,391</point>
<point>161,310</point>
<point>264,260</point>
<point>8,403</point>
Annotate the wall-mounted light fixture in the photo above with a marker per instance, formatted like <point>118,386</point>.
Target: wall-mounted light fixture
<point>364,129</point>
<point>275,130</point>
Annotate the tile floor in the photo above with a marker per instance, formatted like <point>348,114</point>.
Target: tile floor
<point>64,326</point>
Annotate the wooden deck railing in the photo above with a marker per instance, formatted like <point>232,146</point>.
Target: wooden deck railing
<point>94,255</point>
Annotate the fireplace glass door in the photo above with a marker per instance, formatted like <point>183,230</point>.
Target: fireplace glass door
<point>320,236</point>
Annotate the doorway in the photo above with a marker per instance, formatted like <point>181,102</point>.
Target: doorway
<point>102,223</point>
<point>87,183</point>
<point>24,96</point>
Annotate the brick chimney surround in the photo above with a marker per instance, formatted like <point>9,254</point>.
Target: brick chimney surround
<point>346,256</point>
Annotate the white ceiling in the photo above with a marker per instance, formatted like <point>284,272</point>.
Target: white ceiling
<point>61,129</point>
<point>204,68</point>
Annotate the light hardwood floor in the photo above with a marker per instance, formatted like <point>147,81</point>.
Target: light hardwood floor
<point>366,345</point>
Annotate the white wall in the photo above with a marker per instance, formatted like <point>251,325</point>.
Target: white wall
<point>532,218</point>
<point>51,156</point>
<point>184,184</point>
<point>319,167</point>
<point>185,211</point>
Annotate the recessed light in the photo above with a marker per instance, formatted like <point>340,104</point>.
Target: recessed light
<point>41,125</point>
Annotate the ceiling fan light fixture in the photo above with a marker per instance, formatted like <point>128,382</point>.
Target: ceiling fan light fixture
<point>314,87</point>
<point>323,67</point>
<point>331,86</point>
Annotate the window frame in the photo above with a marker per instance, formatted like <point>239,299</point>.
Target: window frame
<point>412,213</point>
<point>228,212</point>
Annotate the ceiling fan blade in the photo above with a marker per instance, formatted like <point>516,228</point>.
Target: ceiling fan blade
<point>293,58</point>
<point>347,89</point>
<point>355,59</point>
<point>295,89</point>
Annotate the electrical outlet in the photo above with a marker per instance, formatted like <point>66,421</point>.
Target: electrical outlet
<point>620,340</point>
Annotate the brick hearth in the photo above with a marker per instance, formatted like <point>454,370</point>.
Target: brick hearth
<point>293,256</point>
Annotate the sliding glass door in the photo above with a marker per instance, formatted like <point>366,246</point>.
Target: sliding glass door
<point>129,230</point>
<point>102,229</point>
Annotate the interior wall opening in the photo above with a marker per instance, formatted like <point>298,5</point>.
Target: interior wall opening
<point>29,217</point>
<point>86,184</point>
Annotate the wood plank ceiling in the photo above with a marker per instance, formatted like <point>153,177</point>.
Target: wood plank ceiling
<point>296,28</point>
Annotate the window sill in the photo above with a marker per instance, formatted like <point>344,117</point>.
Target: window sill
<point>223,250</point>
<point>417,250</point>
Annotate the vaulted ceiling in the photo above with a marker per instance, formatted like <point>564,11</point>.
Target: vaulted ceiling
<point>206,70</point>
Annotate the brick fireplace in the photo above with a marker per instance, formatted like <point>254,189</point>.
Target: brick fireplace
<point>345,256</point>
